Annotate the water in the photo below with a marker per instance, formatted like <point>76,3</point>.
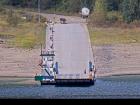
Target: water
<point>108,87</point>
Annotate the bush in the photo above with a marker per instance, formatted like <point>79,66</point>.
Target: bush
<point>114,16</point>
<point>13,19</point>
<point>129,10</point>
<point>100,11</point>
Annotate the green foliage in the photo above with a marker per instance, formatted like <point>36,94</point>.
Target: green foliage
<point>114,16</point>
<point>129,8</point>
<point>113,5</point>
<point>100,12</point>
<point>71,3</point>
<point>3,2</point>
<point>100,6</point>
<point>138,10</point>
<point>74,6</point>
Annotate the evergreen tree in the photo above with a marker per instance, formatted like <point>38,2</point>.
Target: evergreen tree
<point>138,10</point>
<point>129,8</point>
<point>113,5</point>
<point>100,11</point>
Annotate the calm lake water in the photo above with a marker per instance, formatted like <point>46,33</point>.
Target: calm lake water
<point>104,88</point>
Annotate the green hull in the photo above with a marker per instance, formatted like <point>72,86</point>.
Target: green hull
<point>41,78</point>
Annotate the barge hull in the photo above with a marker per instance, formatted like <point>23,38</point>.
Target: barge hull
<point>69,82</point>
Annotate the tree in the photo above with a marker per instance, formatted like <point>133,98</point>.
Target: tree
<point>113,5</point>
<point>129,10</point>
<point>138,10</point>
<point>100,11</point>
<point>87,3</point>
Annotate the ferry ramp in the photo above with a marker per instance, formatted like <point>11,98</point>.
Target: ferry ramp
<point>72,48</point>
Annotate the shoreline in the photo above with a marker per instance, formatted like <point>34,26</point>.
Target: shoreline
<point>117,75</point>
<point>109,60</point>
<point>120,59</point>
<point>99,76</point>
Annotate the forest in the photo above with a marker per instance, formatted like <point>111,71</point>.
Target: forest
<point>101,10</point>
